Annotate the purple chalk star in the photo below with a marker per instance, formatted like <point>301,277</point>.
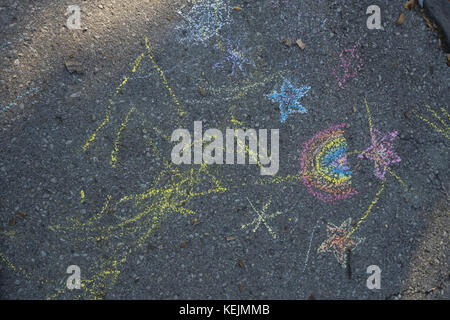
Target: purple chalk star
<point>381,152</point>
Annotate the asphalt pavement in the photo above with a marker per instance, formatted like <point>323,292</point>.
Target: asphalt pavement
<point>86,177</point>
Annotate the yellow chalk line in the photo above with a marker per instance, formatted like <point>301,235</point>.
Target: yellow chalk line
<point>7,233</point>
<point>369,116</point>
<point>353,152</point>
<point>172,196</point>
<point>13,267</point>
<point>107,118</point>
<point>262,218</point>
<point>167,203</point>
<point>115,150</point>
<point>445,132</point>
<point>398,178</point>
<point>371,129</point>
<point>216,13</point>
<point>243,88</point>
<point>446,113</point>
<point>369,209</point>
<point>436,115</point>
<point>136,64</point>
<point>279,179</point>
<point>163,78</point>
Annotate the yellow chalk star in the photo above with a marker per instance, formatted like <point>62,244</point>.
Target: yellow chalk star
<point>262,219</point>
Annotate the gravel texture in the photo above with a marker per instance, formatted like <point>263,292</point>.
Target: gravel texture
<point>139,230</point>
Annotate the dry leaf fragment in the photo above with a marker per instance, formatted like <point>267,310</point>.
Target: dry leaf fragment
<point>401,19</point>
<point>231,238</point>
<point>237,8</point>
<point>407,116</point>
<point>202,91</point>
<point>12,221</point>
<point>429,24</point>
<point>300,44</point>
<point>183,244</point>
<point>240,287</point>
<point>74,66</point>
<point>287,42</point>
<point>20,214</point>
<point>409,5</point>
<point>194,221</point>
<point>241,263</point>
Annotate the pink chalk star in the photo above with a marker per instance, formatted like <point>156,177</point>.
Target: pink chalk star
<point>381,152</point>
<point>351,64</point>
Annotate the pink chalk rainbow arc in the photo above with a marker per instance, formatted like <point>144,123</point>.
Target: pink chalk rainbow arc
<point>324,168</point>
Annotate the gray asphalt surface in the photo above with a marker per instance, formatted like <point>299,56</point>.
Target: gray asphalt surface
<point>85,173</point>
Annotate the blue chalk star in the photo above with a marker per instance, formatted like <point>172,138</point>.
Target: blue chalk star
<point>288,99</point>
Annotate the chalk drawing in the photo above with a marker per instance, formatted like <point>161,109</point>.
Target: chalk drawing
<point>384,157</point>
<point>13,267</point>
<point>299,18</point>
<point>171,190</point>
<point>351,64</point>
<point>203,21</point>
<point>341,240</point>
<point>309,246</point>
<point>107,118</point>
<point>324,167</point>
<point>381,152</point>
<point>288,99</point>
<point>441,126</point>
<point>180,110</point>
<point>82,196</point>
<point>278,3</point>
<point>136,64</point>
<point>369,209</point>
<point>262,218</point>
<point>12,104</point>
<point>338,241</point>
<point>236,57</point>
<point>115,150</point>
